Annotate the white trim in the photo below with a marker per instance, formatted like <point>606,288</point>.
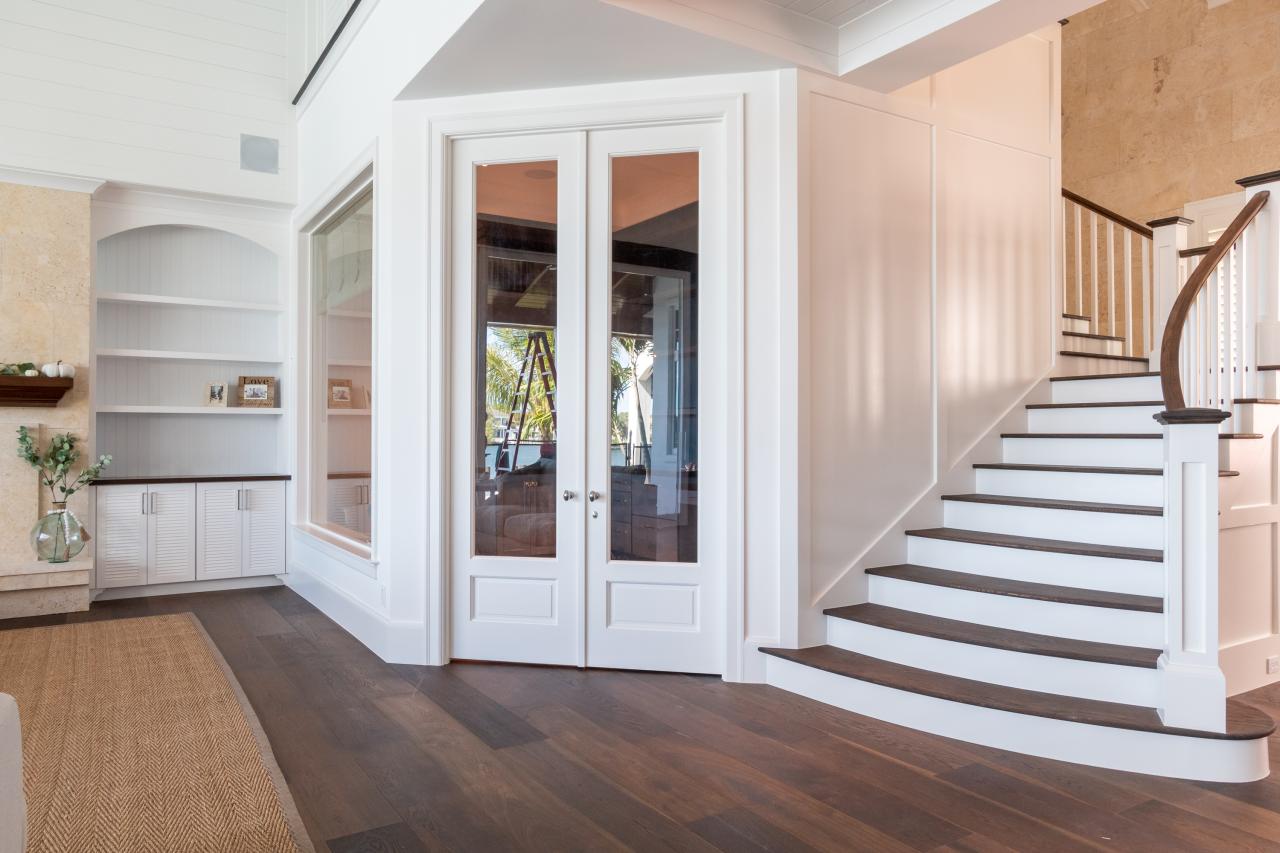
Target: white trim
<point>393,641</point>
<point>113,593</point>
<point>333,60</point>
<point>356,555</point>
<point>50,180</point>
<point>441,129</point>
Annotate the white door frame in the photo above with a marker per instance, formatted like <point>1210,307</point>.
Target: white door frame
<point>440,129</point>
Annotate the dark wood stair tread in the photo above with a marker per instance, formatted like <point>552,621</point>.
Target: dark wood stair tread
<point>1086,376</point>
<point>1067,316</point>
<point>1123,404</point>
<point>1115,435</point>
<point>1050,503</point>
<point>970,633</point>
<point>1032,543</point>
<point>1093,336</point>
<point>1134,358</point>
<point>1081,469</point>
<point>1020,589</point>
<point>1244,722</point>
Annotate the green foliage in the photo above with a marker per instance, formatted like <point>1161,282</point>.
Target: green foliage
<point>56,463</point>
<point>16,369</point>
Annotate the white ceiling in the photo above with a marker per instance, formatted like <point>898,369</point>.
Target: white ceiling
<point>837,12</point>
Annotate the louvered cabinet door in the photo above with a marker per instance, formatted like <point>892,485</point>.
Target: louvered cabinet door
<point>121,538</point>
<point>264,510</point>
<point>171,529</point>
<point>219,530</point>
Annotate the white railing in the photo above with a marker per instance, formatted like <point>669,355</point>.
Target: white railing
<point>1107,272</point>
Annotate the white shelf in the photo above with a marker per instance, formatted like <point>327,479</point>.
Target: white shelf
<point>187,410</point>
<point>338,362</point>
<point>175,355</point>
<point>155,299</point>
<point>349,412</point>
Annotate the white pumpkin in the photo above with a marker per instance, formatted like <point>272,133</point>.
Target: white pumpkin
<point>66,371</point>
<point>50,370</point>
<point>31,373</point>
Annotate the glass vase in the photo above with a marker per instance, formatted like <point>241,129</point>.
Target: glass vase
<point>58,536</point>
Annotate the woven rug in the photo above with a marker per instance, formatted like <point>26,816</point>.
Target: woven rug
<point>136,737</point>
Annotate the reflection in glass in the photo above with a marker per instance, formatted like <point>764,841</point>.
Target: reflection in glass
<point>515,365</point>
<point>342,276</point>
<point>653,508</point>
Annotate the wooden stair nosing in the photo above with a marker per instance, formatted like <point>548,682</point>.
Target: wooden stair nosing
<point>1067,316</point>
<point>989,585</point>
<point>974,634</point>
<point>1032,543</point>
<point>1051,503</point>
<point>1093,336</point>
<point>1244,722</point>
<point>1085,376</point>
<point>1082,469</point>
<point>1134,358</point>
<point>1121,404</point>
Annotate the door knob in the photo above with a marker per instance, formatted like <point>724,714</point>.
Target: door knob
<point>594,496</point>
<point>568,495</point>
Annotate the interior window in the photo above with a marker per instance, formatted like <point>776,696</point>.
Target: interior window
<point>342,335</point>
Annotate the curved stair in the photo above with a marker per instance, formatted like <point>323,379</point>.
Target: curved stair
<point>1033,619</point>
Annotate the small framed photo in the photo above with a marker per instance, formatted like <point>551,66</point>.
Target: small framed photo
<point>339,393</point>
<point>215,394</point>
<point>258,391</point>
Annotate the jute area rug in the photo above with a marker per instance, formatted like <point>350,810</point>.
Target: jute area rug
<point>136,737</point>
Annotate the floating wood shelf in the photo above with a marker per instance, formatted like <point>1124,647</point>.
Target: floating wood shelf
<point>30,392</point>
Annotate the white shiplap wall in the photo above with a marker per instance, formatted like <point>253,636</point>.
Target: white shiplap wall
<point>151,92</point>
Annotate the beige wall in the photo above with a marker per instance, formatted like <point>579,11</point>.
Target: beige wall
<point>44,316</point>
<point>1165,102</point>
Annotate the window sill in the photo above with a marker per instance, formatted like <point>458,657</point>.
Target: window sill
<point>351,552</point>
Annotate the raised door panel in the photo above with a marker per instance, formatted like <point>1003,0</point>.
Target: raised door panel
<point>171,533</point>
<point>264,511</point>
<point>121,553</point>
<point>219,530</point>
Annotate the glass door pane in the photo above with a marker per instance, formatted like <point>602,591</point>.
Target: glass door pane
<point>653,352</point>
<point>515,428</point>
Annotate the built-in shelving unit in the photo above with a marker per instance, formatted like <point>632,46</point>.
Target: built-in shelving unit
<point>179,307</point>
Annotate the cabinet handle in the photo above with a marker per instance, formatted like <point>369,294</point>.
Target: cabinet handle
<point>239,499</point>
<point>152,506</point>
<point>144,503</point>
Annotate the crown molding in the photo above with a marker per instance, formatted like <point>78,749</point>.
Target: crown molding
<point>50,180</point>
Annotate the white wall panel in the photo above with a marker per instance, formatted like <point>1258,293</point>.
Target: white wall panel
<point>151,92</point>
<point>871,360</point>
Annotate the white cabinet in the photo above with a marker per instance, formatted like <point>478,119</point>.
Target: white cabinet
<point>175,532</point>
<point>241,529</point>
<point>348,502</point>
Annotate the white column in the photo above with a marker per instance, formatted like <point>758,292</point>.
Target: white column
<point>1169,237</point>
<point>1194,690</point>
<point>1262,262</point>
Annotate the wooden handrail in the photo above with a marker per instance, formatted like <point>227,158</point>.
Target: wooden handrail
<point>1170,377</point>
<point>1107,214</point>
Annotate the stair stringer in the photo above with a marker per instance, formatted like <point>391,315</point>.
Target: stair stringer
<point>851,585</point>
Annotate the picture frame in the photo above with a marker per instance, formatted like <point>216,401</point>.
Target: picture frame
<point>216,393</point>
<point>257,392</point>
<point>340,394</point>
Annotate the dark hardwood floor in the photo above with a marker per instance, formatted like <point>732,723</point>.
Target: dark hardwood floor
<point>493,758</point>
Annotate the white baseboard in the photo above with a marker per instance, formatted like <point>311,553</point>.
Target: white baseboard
<point>393,641</point>
<point>119,592</point>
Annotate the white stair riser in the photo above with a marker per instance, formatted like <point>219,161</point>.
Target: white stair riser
<point>1124,389</point>
<point>1099,746</point>
<point>1137,577</point>
<point>1143,489</point>
<point>1105,419</point>
<point>1046,674</point>
<point>1120,452</point>
<point>1082,365</point>
<point>1072,324</point>
<point>1099,528</point>
<point>1099,624</point>
<point>1098,345</point>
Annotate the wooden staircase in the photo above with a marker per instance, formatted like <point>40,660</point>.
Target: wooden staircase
<point>1033,620</point>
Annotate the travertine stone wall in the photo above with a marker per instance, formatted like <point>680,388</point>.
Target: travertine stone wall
<point>44,316</point>
<point>1166,102</point>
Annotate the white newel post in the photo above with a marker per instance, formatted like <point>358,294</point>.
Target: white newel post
<point>1168,238</point>
<point>1194,688</point>
<point>1262,257</point>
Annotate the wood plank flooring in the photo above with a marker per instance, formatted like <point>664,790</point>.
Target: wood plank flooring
<point>493,758</point>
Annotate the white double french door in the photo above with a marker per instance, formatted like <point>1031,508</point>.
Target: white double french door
<point>588,482</point>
